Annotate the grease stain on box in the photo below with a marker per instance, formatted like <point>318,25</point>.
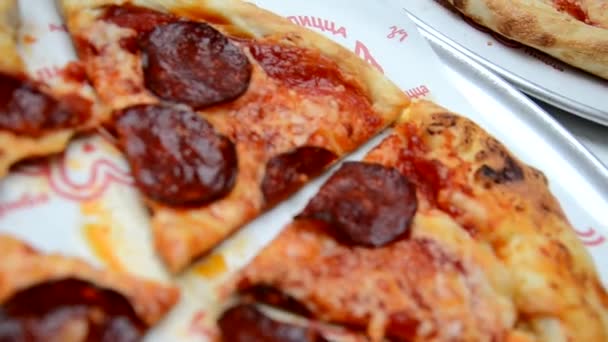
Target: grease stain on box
<point>29,39</point>
<point>97,231</point>
<point>213,266</point>
<point>98,238</point>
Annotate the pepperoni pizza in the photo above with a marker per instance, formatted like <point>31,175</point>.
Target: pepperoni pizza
<point>222,109</point>
<point>35,118</point>
<point>574,31</point>
<point>55,298</point>
<point>439,234</point>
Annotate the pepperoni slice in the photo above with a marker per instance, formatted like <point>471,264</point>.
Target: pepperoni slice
<point>193,63</point>
<point>175,155</point>
<point>274,297</point>
<point>298,67</point>
<point>245,323</point>
<point>288,171</point>
<point>69,310</point>
<point>365,204</point>
<point>27,111</point>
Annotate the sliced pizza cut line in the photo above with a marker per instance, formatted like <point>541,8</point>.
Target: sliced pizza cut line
<point>52,297</point>
<point>277,93</point>
<point>440,233</point>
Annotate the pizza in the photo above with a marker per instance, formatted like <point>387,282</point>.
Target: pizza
<point>222,109</point>
<point>438,234</point>
<point>57,298</point>
<point>574,31</point>
<point>36,119</point>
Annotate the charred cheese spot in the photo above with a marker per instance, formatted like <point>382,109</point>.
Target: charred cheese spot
<point>446,119</point>
<point>559,253</point>
<point>498,166</point>
<point>510,172</point>
<point>402,326</point>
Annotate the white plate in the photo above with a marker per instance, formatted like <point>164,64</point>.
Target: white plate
<point>533,72</point>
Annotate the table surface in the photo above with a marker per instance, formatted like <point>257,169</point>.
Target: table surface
<point>593,136</point>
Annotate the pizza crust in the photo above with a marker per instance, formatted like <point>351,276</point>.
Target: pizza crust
<point>181,235</point>
<point>21,267</point>
<point>540,25</point>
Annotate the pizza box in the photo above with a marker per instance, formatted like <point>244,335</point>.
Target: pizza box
<point>83,203</point>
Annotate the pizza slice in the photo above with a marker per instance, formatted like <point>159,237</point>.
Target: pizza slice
<point>56,298</point>
<point>574,31</point>
<point>36,119</point>
<point>439,234</point>
<point>222,109</point>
